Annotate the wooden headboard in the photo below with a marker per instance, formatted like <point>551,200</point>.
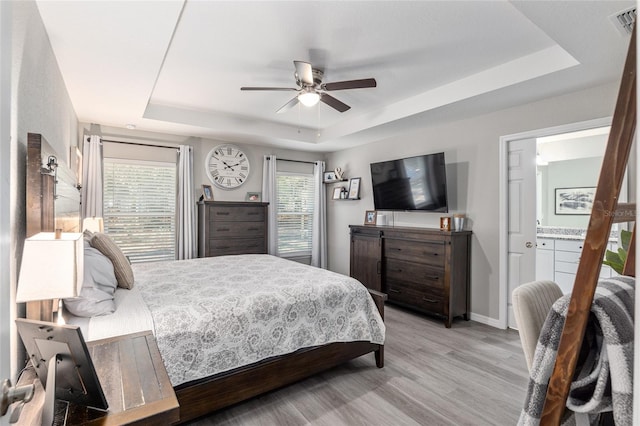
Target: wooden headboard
<point>52,201</point>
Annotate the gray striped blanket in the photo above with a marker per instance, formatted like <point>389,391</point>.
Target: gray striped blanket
<point>604,374</point>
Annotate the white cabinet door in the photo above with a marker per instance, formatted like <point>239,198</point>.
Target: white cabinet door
<point>545,259</point>
<point>567,259</point>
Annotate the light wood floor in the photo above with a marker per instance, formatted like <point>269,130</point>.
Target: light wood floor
<point>471,374</point>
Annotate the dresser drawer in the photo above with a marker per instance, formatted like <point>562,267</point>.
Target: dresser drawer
<point>420,274</point>
<point>415,251</point>
<point>222,229</point>
<point>569,245</point>
<point>218,247</point>
<point>230,213</point>
<point>422,300</point>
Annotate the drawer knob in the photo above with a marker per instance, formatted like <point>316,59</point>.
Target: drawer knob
<point>433,277</point>
<point>391,290</point>
<point>429,300</point>
<point>222,229</point>
<point>222,213</point>
<point>253,229</point>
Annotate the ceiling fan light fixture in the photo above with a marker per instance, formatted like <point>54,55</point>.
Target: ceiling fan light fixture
<point>309,99</point>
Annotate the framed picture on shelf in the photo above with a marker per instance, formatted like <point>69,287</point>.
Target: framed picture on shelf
<point>207,192</point>
<point>253,196</point>
<point>336,193</point>
<point>370,217</point>
<point>329,176</point>
<point>575,200</point>
<point>445,223</point>
<point>354,188</point>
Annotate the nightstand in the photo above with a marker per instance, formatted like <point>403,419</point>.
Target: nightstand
<point>133,379</point>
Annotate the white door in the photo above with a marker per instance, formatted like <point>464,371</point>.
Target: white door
<point>522,217</point>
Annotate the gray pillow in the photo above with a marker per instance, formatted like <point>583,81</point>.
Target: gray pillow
<point>121,266</point>
<point>98,286</point>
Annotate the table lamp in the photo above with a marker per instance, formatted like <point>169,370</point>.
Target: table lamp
<point>52,267</point>
<point>93,224</point>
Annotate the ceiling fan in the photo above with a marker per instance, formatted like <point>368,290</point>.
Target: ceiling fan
<point>311,89</point>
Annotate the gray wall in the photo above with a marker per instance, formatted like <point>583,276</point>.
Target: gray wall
<point>471,148</point>
<point>39,104</point>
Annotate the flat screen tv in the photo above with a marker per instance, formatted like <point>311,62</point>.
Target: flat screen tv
<point>414,183</point>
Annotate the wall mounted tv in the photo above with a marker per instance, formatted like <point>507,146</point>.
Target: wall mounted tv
<point>414,183</point>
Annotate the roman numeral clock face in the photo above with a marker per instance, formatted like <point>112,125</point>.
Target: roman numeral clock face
<point>227,166</point>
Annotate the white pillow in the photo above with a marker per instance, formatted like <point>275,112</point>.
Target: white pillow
<point>98,286</point>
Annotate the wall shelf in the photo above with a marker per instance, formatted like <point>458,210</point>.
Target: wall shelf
<point>335,181</point>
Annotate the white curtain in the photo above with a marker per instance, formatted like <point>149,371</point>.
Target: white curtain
<point>92,177</point>
<point>269,195</point>
<point>186,208</point>
<point>319,225</point>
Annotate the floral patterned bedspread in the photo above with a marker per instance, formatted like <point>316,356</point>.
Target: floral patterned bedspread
<point>215,314</point>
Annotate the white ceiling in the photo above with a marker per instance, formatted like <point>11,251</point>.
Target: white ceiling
<point>177,66</point>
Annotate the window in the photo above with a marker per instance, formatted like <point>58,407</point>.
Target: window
<point>295,213</point>
<point>139,208</point>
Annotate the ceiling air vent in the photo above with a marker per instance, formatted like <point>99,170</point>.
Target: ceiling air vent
<point>624,20</point>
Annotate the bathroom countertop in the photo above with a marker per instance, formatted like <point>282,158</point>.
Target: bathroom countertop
<point>569,237</point>
<point>561,237</point>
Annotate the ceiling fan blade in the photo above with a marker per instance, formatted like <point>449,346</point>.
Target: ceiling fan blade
<point>268,88</point>
<point>350,84</point>
<point>334,103</point>
<point>304,72</point>
<point>293,102</point>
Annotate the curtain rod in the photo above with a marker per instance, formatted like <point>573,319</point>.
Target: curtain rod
<point>293,161</point>
<point>143,144</point>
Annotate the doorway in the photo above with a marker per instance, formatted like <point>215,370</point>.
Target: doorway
<point>519,210</point>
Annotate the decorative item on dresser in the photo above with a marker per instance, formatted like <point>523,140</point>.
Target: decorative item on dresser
<point>207,192</point>
<point>420,268</point>
<point>228,227</point>
<point>370,217</point>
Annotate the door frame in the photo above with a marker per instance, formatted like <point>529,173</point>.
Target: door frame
<point>503,216</point>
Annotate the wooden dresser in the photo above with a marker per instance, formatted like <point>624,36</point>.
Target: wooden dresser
<point>420,268</point>
<point>226,227</point>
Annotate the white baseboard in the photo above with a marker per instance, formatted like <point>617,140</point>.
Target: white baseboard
<point>493,322</point>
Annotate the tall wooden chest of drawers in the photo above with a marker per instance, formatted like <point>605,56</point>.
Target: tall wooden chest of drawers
<point>226,227</point>
<point>420,268</point>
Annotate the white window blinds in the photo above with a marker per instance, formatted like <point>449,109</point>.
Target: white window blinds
<point>295,214</point>
<point>139,208</point>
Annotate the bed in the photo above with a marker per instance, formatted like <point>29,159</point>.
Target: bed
<point>338,320</point>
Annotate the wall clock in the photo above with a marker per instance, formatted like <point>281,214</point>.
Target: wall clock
<point>227,166</point>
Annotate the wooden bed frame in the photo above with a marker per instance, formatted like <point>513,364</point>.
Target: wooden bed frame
<point>209,394</point>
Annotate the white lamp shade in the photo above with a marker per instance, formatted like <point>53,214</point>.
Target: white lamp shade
<point>93,224</point>
<point>51,268</point>
<point>309,98</point>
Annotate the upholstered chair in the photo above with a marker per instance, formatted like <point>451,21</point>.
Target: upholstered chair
<point>531,304</point>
